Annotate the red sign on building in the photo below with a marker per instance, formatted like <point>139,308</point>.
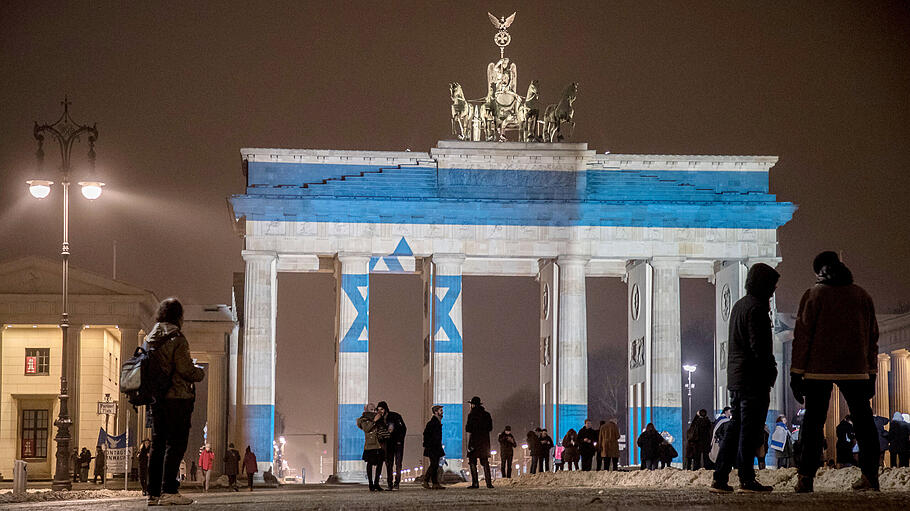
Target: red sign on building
<point>31,365</point>
<point>28,448</point>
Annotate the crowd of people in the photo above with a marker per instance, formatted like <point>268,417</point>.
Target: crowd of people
<point>835,343</point>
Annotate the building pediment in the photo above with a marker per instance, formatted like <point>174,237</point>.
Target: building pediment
<point>39,275</point>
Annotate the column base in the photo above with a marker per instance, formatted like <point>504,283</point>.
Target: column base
<point>350,471</point>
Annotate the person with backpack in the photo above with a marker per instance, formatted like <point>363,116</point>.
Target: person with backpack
<point>172,409</point>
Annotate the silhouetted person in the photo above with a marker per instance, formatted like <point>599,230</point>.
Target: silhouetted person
<point>544,446</point>
<point>231,469</point>
<point>478,427</point>
<point>751,373</point>
<point>144,466</point>
<point>835,342</point>
<point>394,446</point>
<point>432,449</point>
<point>506,445</point>
<point>587,440</point>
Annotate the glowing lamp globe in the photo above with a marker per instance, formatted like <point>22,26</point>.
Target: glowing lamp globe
<point>91,190</point>
<point>39,188</point>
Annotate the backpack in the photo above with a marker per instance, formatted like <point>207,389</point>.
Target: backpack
<point>146,377</point>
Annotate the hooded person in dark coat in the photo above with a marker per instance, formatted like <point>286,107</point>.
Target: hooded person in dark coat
<point>649,443</point>
<point>835,342</point>
<point>533,440</point>
<point>751,373</point>
<point>698,440</point>
<point>479,426</point>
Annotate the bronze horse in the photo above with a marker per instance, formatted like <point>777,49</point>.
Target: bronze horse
<point>462,112</point>
<point>563,112</point>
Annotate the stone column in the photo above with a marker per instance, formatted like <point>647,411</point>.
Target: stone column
<point>900,365</point>
<point>729,282</point>
<point>216,412</point>
<point>881,403</point>
<point>572,345</point>
<point>257,392</point>
<point>352,363</point>
<point>126,416</point>
<point>666,365</point>
<point>448,353</point>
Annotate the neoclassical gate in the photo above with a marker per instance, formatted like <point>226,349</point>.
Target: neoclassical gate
<point>557,211</point>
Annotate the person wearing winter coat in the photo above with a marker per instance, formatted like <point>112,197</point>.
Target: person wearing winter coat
<point>846,439</point>
<point>608,444</point>
<point>432,449</point>
<point>373,454</point>
<point>231,462</point>
<point>394,446</point>
<point>507,444</point>
<point>85,461</point>
<point>899,441</point>
<point>835,342</point>
<point>782,442</point>
<point>250,467</point>
<point>649,443</point>
<point>172,413</point>
<point>100,459</point>
<point>544,445</point>
<point>587,445</point>
<point>533,440</point>
<point>76,463</point>
<point>206,463</point>
<point>478,426</point>
<point>570,450</point>
<point>751,373</point>
<point>698,440</point>
<point>666,453</point>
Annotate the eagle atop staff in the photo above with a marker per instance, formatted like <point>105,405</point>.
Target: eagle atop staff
<point>502,23</point>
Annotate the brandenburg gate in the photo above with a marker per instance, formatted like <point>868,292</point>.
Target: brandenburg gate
<point>483,205</point>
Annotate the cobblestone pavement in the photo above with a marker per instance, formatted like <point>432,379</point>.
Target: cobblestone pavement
<point>413,497</point>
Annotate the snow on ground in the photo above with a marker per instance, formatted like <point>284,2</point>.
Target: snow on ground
<point>828,480</point>
<point>44,495</point>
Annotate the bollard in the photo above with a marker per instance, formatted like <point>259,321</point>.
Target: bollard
<point>20,477</point>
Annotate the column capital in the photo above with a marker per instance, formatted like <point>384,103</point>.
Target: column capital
<point>258,255</point>
<point>901,353</point>
<point>572,259</point>
<point>884,357</point>
<point>353,263</point>
<point>448,258</point>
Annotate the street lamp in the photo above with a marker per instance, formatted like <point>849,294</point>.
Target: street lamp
<point>689,369</point>
<point>65,132</point>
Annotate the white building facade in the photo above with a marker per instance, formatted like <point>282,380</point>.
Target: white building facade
<point>555,211</point>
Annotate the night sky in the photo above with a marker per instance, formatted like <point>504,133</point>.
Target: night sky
<point>177,88</point>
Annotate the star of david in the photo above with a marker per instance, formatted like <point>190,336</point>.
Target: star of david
<point>356,289</point>
<point>444,306</point>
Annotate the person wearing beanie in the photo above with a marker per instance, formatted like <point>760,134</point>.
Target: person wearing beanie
<point>751,373</point>
<point>835,342</point>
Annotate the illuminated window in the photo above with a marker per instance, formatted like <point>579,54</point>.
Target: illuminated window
<point>34,433</point>
<point>37,361</point>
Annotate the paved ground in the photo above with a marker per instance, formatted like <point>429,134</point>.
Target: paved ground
<point>412,497</point>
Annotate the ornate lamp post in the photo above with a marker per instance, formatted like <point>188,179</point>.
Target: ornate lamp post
<point>65,132</point>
